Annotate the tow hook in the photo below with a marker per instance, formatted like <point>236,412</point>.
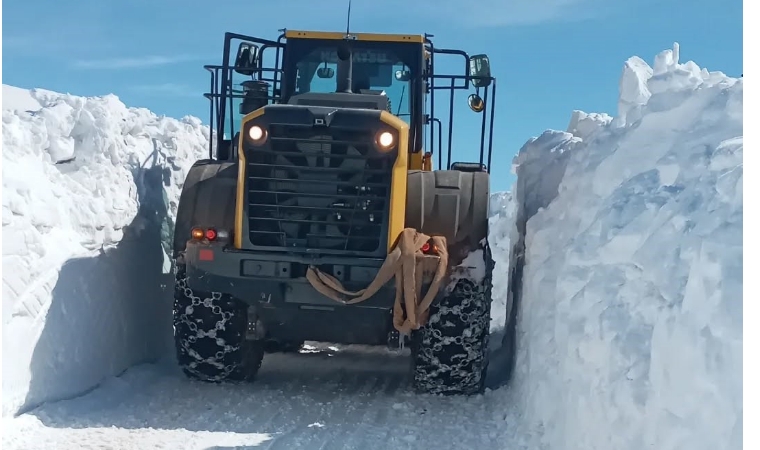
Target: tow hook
<point>255,329</point>
<point>397,342</point>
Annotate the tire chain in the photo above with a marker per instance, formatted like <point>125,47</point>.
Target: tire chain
<point>452,352</point>
<point>213,304</point>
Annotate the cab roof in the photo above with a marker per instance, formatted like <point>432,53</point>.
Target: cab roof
<point>377,37</point>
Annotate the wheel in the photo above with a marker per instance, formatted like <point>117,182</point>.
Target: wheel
<point>450,351</point>
<point>209,335</point>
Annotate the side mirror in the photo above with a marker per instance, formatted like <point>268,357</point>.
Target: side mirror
<point>246,61</point>
<point>403,75</point>
<point>325,72</point>
<point>480,67</point>
<point>476,103</point>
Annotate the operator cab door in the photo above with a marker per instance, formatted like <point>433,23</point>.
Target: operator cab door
<point>249,80</point>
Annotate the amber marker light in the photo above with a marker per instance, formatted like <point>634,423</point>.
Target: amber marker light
<point>197,234</point>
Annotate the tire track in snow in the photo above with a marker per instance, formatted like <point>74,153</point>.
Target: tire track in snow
<point>349,398</point>
<point>348,407</point>
<point>360,406</point>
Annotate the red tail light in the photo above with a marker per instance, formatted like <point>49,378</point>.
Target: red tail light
<point>209,234</point>
<point>429,248</point>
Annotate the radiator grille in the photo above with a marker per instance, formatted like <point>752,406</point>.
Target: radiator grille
<point>323,191</point>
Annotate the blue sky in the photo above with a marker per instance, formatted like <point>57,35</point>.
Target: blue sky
<point>550,56</point>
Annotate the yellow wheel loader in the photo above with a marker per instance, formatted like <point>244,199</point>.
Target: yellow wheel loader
<point>318,214</point>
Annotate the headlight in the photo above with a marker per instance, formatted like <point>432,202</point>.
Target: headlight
<point>257,134</point>
<point>385,140</point>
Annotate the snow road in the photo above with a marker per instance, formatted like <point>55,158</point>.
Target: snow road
<point>324,398</point>
<point>629,314</point>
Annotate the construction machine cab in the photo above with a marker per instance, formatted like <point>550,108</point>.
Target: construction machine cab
<point>397,73</point>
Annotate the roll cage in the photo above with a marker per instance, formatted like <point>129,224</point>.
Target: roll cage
<point>425,89</point>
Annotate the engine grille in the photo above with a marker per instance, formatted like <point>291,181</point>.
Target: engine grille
<point>323,192</point>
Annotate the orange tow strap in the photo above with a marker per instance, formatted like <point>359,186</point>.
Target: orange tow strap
<point>411,267</point>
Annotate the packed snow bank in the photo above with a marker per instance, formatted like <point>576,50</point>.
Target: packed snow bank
<point>630,316</point>
<point>501,222</point>
<point>89,194</point>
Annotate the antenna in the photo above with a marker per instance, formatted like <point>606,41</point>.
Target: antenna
<point>346,58</point>
<point>348,19</point>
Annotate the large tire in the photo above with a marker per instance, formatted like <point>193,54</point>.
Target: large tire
<point>451,350</point>
<point>209,335</point>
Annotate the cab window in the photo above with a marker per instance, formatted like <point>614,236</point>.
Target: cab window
<point>377,70</point>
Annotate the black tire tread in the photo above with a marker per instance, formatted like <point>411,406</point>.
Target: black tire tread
<point>225,354</point>
<point>450,352</point>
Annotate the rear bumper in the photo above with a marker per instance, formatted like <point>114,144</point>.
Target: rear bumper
<point>279,279</point>
<point>289,308</point>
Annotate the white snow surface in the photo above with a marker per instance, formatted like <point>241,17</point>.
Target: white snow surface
<point>629,332</point>
<point>501,237</point>
<point>19,99</point>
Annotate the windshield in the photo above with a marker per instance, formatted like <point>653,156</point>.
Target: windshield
<point>378,70</point>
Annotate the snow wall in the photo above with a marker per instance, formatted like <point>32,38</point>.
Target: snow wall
<point>628,235</point>
<point>89,194</point>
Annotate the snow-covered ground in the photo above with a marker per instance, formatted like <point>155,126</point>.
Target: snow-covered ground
<point>629,326</point>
